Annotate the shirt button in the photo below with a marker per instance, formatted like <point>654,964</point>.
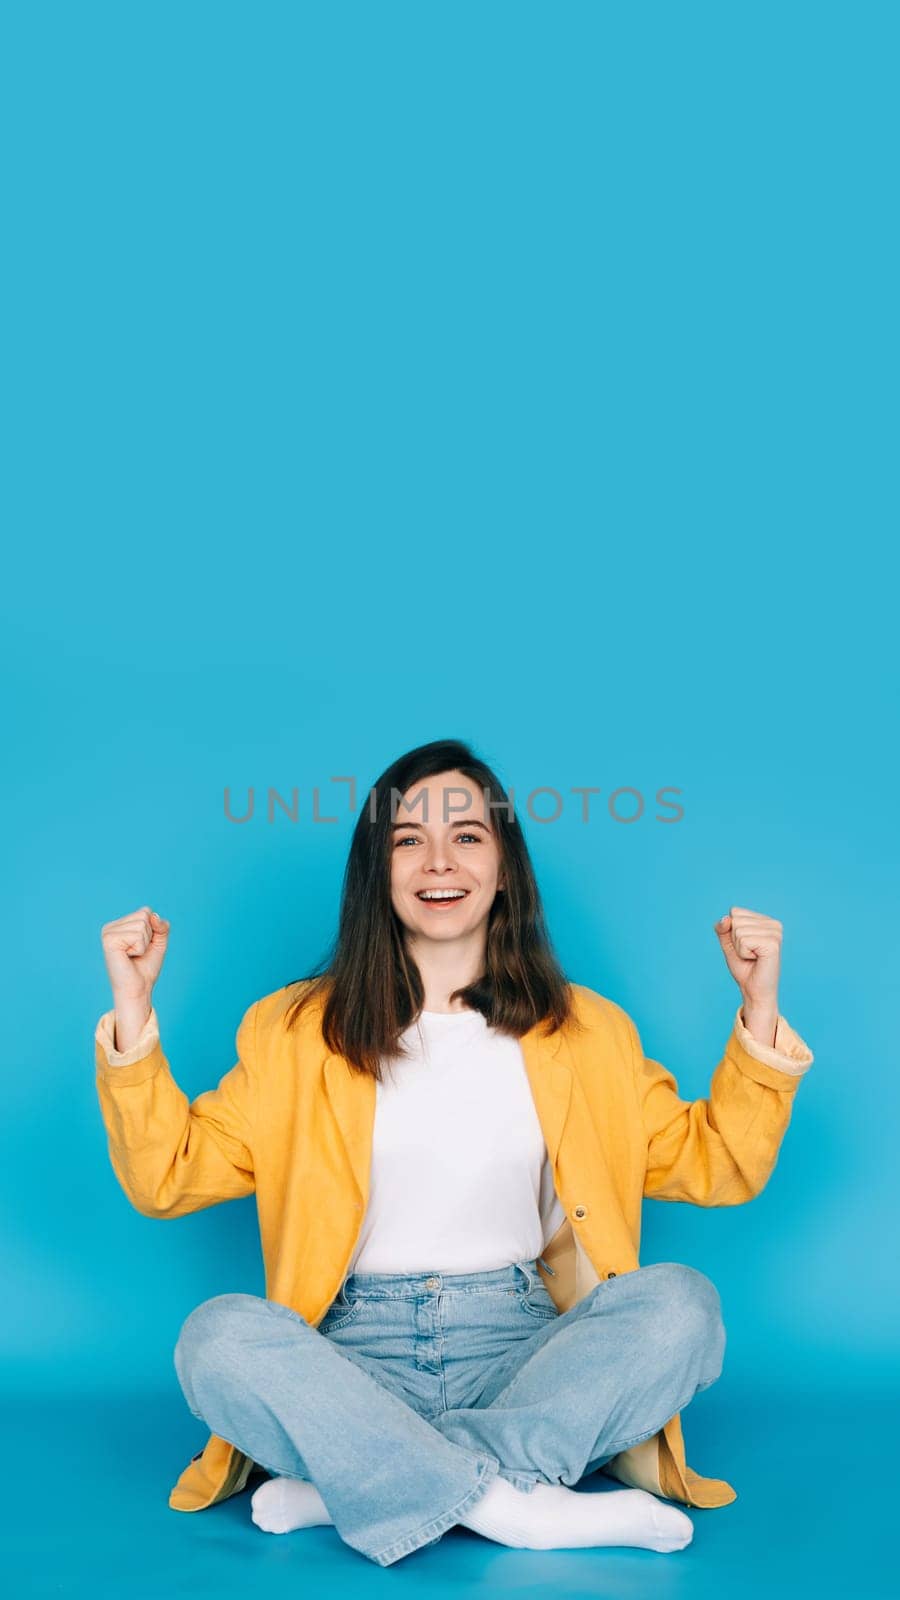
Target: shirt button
<point>610,1274</point>
<point>580,1211</point>
<point>432,1283</point>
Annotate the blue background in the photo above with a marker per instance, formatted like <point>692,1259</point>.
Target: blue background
<point>518,373</point>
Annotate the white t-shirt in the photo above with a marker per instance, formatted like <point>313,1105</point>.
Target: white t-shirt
<point>460,1180</point>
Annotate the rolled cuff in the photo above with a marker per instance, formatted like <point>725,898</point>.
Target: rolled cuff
<point>789,1053</point>
<point>105,1034</point>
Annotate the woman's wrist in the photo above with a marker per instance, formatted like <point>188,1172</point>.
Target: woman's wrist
<point>761,1021</point>
<point>131,1015</point>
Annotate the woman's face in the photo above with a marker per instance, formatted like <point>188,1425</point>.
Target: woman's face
<point>443,839</point>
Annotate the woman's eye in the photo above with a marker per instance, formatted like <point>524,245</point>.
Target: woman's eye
<point>411,839</point>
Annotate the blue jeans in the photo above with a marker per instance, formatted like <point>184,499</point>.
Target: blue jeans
<point>416,1389</point>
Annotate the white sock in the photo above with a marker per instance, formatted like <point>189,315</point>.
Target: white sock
<point>553,1517</point>
<point>282,1504</point>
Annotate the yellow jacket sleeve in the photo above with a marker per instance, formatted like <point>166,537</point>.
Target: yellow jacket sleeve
<point>720,1151</point>
<point>172,1156</point>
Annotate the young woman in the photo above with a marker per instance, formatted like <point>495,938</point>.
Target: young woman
<point>449,1144</point>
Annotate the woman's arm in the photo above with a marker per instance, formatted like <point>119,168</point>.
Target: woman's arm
<point>719,1151</point>
<point>172,1156</point>
<point>169,1155</point>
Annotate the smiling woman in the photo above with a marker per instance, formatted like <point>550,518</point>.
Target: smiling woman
<point>440,911</point>
<point>451,866</point>
<point>448,1143</point>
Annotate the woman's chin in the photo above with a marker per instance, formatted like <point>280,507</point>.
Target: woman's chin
<point>443,925</point>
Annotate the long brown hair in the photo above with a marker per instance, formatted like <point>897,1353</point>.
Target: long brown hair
<point>372,987</point>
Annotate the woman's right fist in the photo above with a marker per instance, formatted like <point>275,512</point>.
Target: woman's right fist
<point>134,949</point>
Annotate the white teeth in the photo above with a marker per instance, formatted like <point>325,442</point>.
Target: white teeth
<point>442,894</point>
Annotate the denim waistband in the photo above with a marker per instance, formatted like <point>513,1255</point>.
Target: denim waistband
<point>411,1284</point>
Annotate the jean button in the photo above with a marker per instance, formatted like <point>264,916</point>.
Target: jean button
<point>432,1283</point>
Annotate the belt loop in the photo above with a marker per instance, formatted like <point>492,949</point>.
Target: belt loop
<point>525,1268</point>
<point>546,1266</point>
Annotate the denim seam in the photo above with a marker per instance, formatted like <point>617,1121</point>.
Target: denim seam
<point>432,1530</point>
<point>339,1322</point>
<point>540,1316</point>
<point>628,1444</point>
<point>523,1481</point>
<point>429,1294</point>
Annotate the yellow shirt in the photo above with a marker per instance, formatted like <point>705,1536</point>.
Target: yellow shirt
<point>292,1123</point>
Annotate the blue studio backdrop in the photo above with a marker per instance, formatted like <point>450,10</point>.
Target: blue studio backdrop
<point>511,372</point>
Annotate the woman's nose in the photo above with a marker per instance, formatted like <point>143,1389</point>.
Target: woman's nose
<point>439,859</point>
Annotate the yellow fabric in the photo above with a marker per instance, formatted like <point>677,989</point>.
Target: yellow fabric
<point>292,1123</point>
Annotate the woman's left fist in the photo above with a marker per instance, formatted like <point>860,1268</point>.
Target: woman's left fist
<point>751,945</point>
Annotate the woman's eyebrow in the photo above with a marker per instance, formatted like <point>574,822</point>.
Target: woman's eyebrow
<point>468,822</point>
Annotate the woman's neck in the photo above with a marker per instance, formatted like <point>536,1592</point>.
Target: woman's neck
<point>445,967</point>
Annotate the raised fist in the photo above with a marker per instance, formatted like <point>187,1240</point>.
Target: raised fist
<point>134,949</point>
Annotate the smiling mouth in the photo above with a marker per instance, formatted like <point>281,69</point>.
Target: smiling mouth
<point>452,897</point>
